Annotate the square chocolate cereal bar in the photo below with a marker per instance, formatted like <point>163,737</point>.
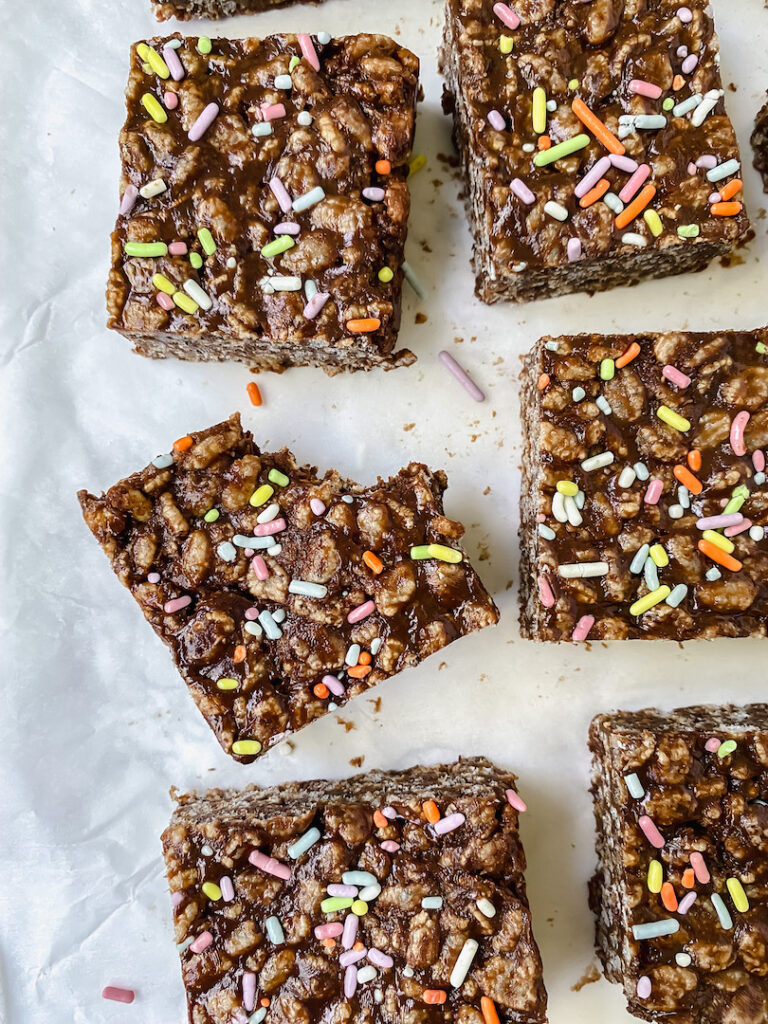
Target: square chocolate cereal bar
<point>644,501</point>
<point>388,897</point>
<point>282,593</point>
<point>681,890</point>
<point>594,139</point>
<point>188,9</point>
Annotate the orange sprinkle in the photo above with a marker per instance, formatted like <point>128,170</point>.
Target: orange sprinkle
<point>265,1001</point>
<point>706,547</point>
<point>596,126</point>
<point>488,1007</point>
<point>545,142</point>
<point>363,326</point>
<point>694,459</point>
<point>320,690</point>
<point>668,897</point>
<point>431,811</point>
<point>687,479</point>
<point>328,943</point>
<point>731,189</point>
<point>183,444</point>
<point>359,671</point>
<point>433,996</point>
<point>253,393</point>
<point>632,353</point>
<point>637,206</point>
<point>725,209</point>
<point>594,193</point>
<point>678,82</point>
<point>373,562</point>
<point>543,381</point>
<point>239,654</point>
<point>383,166</point>
<point>689,878</point>
<point>379,820</point>
<point>364,659</point>
<point>358,946</point>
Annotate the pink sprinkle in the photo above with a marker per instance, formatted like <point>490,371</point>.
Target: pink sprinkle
<point>317,506</point>
<point>583,626</point>
<point>540,517</point>
<point>592,176</point>
<point>332,930</point>
<point>506,15</point>
<point>686,903</point>
<point>719,522</point>
<point>677,377</point>
<point>178,248</point>
<point>634,183</point>
<point>734,531</point>
<point>361,612</point>
<point>334,685</point>
<point>389,812</point>
<point>515,800</point>
<point>204,122</point>
<point>691,167</point>
<point>714,197</point>
<point>495,120</point>
<point>175,66</point>
<point>260,568</point>
<point>380,959</point>
<point>449,823</point>
<point>651,833</point>
<point>682,51</point>
<point>545,592</point>
<point>352,956</point>
<point>118,995</point>
<point>574,249</point>
<point>128,201</point>
<point>707,161</point>
<point>349,932</point>
<point>286,228</point>
<point>251,614</point>
<point>269,865</point>
<point>699,868</point>
<point>315,304</point>
<point>154,577</point>
<point>272,111</point>
<point>712,744</point>
<point>345,891</point>
<point>227,889</point>
<point>164,300</point>
<point>689,64</point>
<point>623,162</point>
<point>643,88</point>
<point>390,846</point>
<point>740,421</point>
<point>350,981</point>
<point>521,190</point>
<point>270,529</point>
<point>308,50</point>
<point>280,194</point>
<point>644,987</point>
<point>375,194</point>
<point>461,376</point>
<point>652,495</point>
<point>249,991</point>
<point>684,14</point>
<point>176,898</point>
<point>176,604</point>
<point>758,460</point>
<point>203,941</point>
<point>170,99</point>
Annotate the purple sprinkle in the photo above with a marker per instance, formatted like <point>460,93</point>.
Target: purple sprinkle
<point>334,685</point>
<point>574,249</point>
<point>175,66</point>
<point>708,161</point>
<point>249,990</point>
<point>227,889</point>
<point>349,934</point>
<point>686,903</point>
<point>176,898</point>
<point>623,163</point>
<point>689,64</point>
<point>176,604</point>
<point>315,304</point>
<point>592,176</point>
<point>286,228</point>
<point>716,522</point>
<point>389,812</point>
<point>682,51</point>
<point>380,959</point>
<point>714,197</point>
<point>461,376</point>
<point>350,981</point>
<point>449,823</point>
<point>352,957</point>
<point>522,191</point>
<point>643,987</point>
<point>345,891</point>
<point>495,120</point>
<point>684,14</point>
<point>154,577</point>
<point>374,194</point>
<point>317,506</point>
<point>280,194</point>
<point>203,123</point>
<point>128,201</point>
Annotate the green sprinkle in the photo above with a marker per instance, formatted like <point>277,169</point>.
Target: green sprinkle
<point>334,903</point>
<point>562,149</point>
<point>211,515</point>
<point>668,103</point>
<point>145,249</point>
<point>274,248</point>
<point>293,63</point>
<point>385,275</point>
<point>726,748</point>
<point>207,242</point>
<point>211,890</point>
<point>196,260</point>
<point>261,495</point>
<point>761,348</point>
<point>734,505</point>
<point>276,477</point>
<point>607,369</point>
<point>204,44</point>
<point>246,747</point>
<point>688,231</point>
<point>740,492</point>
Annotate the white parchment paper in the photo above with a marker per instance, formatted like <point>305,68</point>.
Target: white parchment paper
<point>96,725</point>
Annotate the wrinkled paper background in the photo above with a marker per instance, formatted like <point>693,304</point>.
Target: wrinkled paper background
<point>97,725</point>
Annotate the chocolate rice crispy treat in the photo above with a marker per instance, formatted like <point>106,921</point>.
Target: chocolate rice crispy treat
<point>282,593</point>
<point>593,137</point>
<point>681,889</point>
<point>187,9</point>
<point>760,144</point>
<point>644,502</point>
<point>388,898</point>
<point>264,201</point>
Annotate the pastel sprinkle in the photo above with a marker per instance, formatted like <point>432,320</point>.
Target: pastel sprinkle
<point>737,894</point>
<point>723,914</point>
<point>203,122</point>
<point>634,786</point>
<point>269,865</point>
<point>449,823</point>
<point>655,929</point>
<point>461,376</point>
<point>118,995</point>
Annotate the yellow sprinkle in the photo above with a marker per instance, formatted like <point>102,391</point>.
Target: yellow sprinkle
<point>647,602</point>
<point>146,68</point>
<point>659,555</point>
<point>445,554</point>
<point>739,897</point>
<point>227,684</point>
<point>161,282</point>
<point>672,419</point>
<point>211,890</point>
<point>719,541</point>
<point>142,49</point>
<point>568,487</point>
<point>207,242</point>
<point>184,302</point>
<point>156,62</point>
<point>245,747</point>
<point>506,43</point>
<point>153,108</point>
<point>539,111</point>
<point>573,85</point>
<point>261,495</point>
<point>655,876</point>
<point>653,220</point>
<point>417,163</point>
<point>359,908</point>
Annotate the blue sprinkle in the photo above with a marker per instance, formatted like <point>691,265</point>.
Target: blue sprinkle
<point>162,461</point>
<point>678,595</point>
<point>637,563</point>
<point>227,551</point>
<point>634,786</point>
<point>275,930</point>
<point>546,532</point>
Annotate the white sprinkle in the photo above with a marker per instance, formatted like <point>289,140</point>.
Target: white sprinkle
<point>162,461</point>
<point>353,655</point>
<point>486,907</point>
<point>152,188</point>
<point>254,629</point>
<point>304,118</point>
<point>627,477</point>
<point>432,902</point>
<point>632,238</point>
<point>269,625</point>
<point>582,570</point>
<point>686,106</point>
<point>578,394</point>
<point>376,645</point>
<point>367,973</point>
<point>194,291</point>
<point>282,284</point>
<point>283,82</point>
<point>757,532</point>
<point>558,507</point>
<point>274,550</point>
<point>603,405</point>
<point>207,851</point>
<point>309,199</point>
<point>307,589</point>
<point>572,511</point>
<point>676,511</point>
<point>463,963</point>
<point>556,210</point>
<point>634,786</point>
<point>270,513</point>
<point>279,615</point>
<point>705,108</point>
<point>369,892</point>
<point>597,461</point>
